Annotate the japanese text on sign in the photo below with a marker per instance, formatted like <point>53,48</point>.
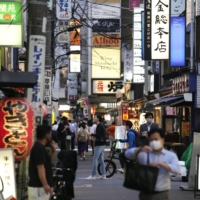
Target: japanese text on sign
<point>160,29</point>
<point>128,67</point>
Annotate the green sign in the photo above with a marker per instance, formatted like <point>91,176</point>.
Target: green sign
<point>10,12</point>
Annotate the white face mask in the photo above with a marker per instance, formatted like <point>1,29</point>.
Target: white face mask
<point>156,144</point>
<point>149,120</point>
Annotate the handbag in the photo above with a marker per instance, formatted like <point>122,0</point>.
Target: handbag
<point>140,177</point>
<point>68,137</point>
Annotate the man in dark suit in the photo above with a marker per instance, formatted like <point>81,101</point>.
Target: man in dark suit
<point>145,128</point>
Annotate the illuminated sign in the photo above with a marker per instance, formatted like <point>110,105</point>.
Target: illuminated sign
<point>133,4</point>
<point>105,63</point>
<point>101,41</point>
<point>160,29</point>
<point>75,36</point>
<point>107,86</point>
<point>177,34</point>
<point>63,9</point>
<point>17,130</point>
<point>11,22</point>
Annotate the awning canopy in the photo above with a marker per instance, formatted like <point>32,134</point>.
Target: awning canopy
<point>180,100</point>
<point>102,99</point>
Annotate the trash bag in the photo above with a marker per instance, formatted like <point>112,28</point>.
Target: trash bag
<point>187,156</point>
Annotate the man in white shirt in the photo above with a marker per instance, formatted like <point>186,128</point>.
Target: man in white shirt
<point>165,160</point>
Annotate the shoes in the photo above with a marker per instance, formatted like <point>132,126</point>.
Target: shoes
<point>81,158</point>
<point>91,178</point>
<point>121,170</point>
<point>102,177</point>
<point>84,158</point>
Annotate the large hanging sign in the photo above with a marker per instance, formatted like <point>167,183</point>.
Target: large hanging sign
<point>37,45</point>
<point>17,126</point>
<point>47,87</point>
<point>128,66</point>
<point>160,10</point>
<point>11,22</point>
<point>63,9</point>
<point>64,37</point>
<point>177,33</point>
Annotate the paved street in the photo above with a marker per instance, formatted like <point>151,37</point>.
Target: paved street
<point>112,189</point>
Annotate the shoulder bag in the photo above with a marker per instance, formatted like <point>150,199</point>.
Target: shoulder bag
<point>140,177</point>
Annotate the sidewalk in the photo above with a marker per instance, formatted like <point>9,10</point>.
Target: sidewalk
<point>112,189</point>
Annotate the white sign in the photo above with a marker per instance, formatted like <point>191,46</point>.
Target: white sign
<point>137,35</point>
<point>177,7</point>
<point>63,9</point>
<point>7,173</point>
<point>107,86</point>
<point>137,52</point>
<point>72,94</point>
<point>63,37</point>
<point>152,83</point>
<point>75,60</point>
<point>138,78</point>
<point>36,62</point>
<point>138,61</point>
<point>160,29</point>
<point>106,9</point>
<point>128,66</point>
<point>139,70</point>
<point>47,87</point>
<point>105,63</point>
<point>120,133</point>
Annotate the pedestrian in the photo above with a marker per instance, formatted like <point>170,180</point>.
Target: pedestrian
<point>100,143</point>
<point>62,127</point>
<point>40,165</point>
<point>73,134</point>
<point>92,129</point>
<point>82,137</point>
<point>146,127</point>
<point>166,161</point>
<point>55,126</point>
<point>111,130</point>
<point>131,139</point>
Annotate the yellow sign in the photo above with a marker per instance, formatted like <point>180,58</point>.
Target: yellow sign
<point>185,128</point>
<point>104,42</point>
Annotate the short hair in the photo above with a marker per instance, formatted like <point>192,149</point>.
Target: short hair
<point>45,122</point>
<point>129,124</point>
<point>83,125</point>
<point>69,120</point>
<point>157,130</point>
<point>99,118</point>
<point>64,118</point>
<point>142,141</point>
<point>148,115</point>
<point>42,130</point>
<point>90,123</point>
<point>113,123</point>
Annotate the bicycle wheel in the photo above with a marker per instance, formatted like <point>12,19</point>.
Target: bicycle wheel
<point>110,168</point>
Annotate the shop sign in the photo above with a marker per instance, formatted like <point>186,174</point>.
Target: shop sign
<point>106,9</point>
<point>180,84</point>
<point>137,44</point>
<point>133,4</point>
<point>106,26</point>
<point>47,87</point>
<point>160,29</point>
<point>128,66</point>
<point>75,60</point>
<point>65,36</point>
<point>37,63</point>
<point>177,33</point>
<point>101,41</point>
<point>63,9</point>
<point>125,115</point>
<point>105,63</point>
<point>147,30</point>
<point>198,91</point>
<point>138,78</point>
<point>7,174</point>
<point>72,94</point>
<point>197,7</point>
<point>142,35</point>
<point>17,126</point>
<point>11,22</point>
<point>85,108</point>
<point>107,86</point>
<point>185,128</point>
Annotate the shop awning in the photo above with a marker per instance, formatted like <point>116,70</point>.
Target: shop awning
<point>102,100</point>
<point>179,100</point>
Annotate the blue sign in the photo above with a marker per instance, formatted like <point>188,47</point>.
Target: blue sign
<point>143,42</point>
<point>177,42</point>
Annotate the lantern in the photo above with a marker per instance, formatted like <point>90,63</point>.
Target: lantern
<point>125,115</point>
<point>16,126</point>
<point>93,110</point>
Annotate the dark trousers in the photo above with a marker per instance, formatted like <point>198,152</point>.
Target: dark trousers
<point>122,159</point>
<point>72,142</point>
<point>92,145</point>
<point>157,196</point>
<point>63,145</point>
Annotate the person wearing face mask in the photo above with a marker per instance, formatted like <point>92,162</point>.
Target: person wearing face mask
<point>145,128</point>
<point>166,161</point>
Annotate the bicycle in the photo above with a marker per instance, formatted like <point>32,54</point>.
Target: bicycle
<point>110,165</point>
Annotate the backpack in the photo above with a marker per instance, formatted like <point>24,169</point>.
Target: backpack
<point>82,135</point>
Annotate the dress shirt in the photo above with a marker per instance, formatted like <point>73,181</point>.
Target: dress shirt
<point>163,180</point>
<point>72,128</point>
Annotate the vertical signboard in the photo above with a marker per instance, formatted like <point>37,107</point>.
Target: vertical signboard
<point>177,33</point>
<point>63,9</point>
<point>147,30</point>
<point>128,66</point>
<point>143,38</point>
<point>160,29</point>
<point>65,36</point>
<point>133,4</point>
<point>47,87</point>
<point>36,62</point>
<point>138,63</point>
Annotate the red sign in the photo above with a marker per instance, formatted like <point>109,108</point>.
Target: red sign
<point>133,4</point>
<point>16,126</point>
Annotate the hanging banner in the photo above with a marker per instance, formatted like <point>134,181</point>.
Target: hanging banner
<point>143,33</point>
<point>128,66</point>
<point>47,87</point>
<point>63,9</point>
<point>177,34</point>
<point>133,4</point>
<point>160,29</point>
<point>147,30</point>
<point>36,62</point>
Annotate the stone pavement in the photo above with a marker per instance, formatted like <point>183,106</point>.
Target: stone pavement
<point>112,189</point>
